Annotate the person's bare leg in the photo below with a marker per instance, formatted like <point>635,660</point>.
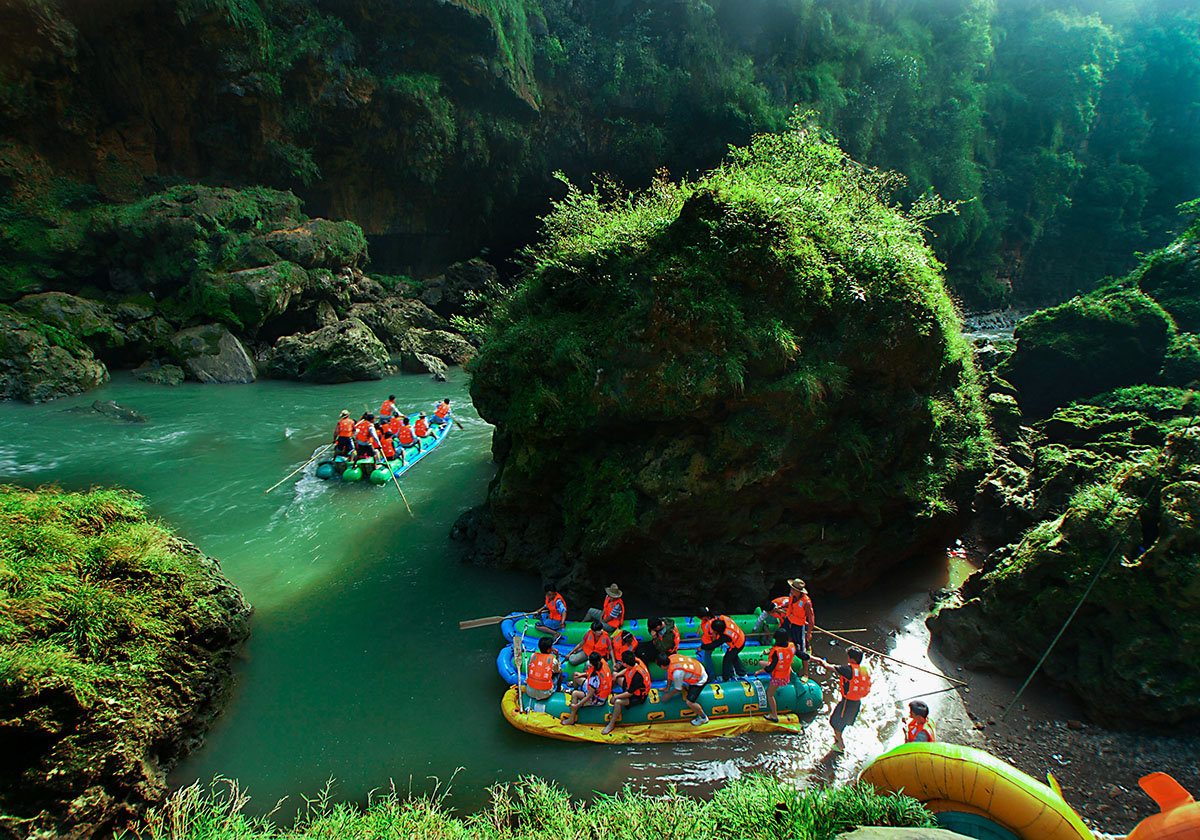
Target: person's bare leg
<point>774,716</point>
<point>576,700</point>
<point>618,706</point>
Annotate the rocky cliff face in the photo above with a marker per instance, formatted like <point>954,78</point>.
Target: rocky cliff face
<point>223,284</point>
<point>703,390</point>
<point>1086,475</point>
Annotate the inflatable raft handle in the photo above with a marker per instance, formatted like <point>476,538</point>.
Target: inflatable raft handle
<point>1164,790</point>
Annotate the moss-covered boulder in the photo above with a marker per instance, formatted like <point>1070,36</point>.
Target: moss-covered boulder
<point>39,361</point>
<point>1131,652</point>
<point>252,296</point>
<point>1087,346</point>
<point>87,320</point>
<point>344,352</point>
<point>211,353</point>
<point>703,389</point>
<point>116,646</point>
<point>320,242</point>
<point>1171,276</point>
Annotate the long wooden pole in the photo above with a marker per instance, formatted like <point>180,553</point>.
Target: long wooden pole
<point>889,658</point>
<point>396,482</point>
<point>302,466</point>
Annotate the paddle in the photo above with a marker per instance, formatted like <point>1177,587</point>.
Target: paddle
<point>491,619</point>
<point>853,630</point>
<point>302,466</point>
<point>889,658</point>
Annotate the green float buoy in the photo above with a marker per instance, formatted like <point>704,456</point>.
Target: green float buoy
<point>354,473</point>
<point>325,469</point>
<point>379,475</point>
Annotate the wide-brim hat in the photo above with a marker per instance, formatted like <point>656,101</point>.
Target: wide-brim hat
<point>797,584</point>
<point>612,591</point>
<point>345,413</point>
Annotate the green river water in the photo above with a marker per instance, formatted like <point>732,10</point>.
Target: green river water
<point>355,669</point>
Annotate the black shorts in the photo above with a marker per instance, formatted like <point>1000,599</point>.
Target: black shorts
<point>362,449</point>
<point>343,443</point>
<point>637,699</point>
<point>844,713</point>
<point>692,692</point>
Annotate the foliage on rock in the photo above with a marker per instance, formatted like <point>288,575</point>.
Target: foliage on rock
<point>748,376</point>
<point>116,641</point>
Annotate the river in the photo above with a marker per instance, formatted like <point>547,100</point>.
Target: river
<point>355,669</point>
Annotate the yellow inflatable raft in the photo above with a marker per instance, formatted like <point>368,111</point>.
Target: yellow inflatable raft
<point>548,726</point>
<point>976,794</point>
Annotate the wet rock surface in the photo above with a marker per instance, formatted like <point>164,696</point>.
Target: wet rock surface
<point>211,353</point>
<point>39,364</point>
<point>344,352</point>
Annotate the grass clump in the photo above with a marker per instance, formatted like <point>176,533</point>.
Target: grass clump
<point>751,808</point>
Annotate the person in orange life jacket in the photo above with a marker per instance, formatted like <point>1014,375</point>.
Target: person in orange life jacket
<point>554,616</point>
<point>544,670</point>
<point>614,608</point>
<point>708,641</point>
<point>388,410</point>
<point>776,609</point>
<point>596,641</point>
<point>405,436</point>
<point>421,427</point>
<point>597,687</point>
<point>441,414</point>
<point>920,728</point>
<point>855,681</point>
<point>363,430</point>
<point>344,436</point>
<point>779,666</point>
<point>622,640</point>
<point>684,671</point>
<point>725,631</point>
<point>800,618</point>
<point>393,425</point>
<point>386,444</point>
<point>637,688</point>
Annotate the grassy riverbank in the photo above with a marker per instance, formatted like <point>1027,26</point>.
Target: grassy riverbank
<point>116,639</point>
<point>750,808</point>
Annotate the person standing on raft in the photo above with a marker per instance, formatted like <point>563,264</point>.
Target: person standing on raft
<point>614,608</point>
<point>544,670</point>
<point>598,681</point>
<point>441,414</point>
<point>920,728</point>
<point>725,631</point>
<point>779,666</point>
<point>800,618</point>
<point>855,684</point>
<point>343,438</point>
<point>637,689</point>
<point>364,429</point>
<point>685,671</point>
<point>554,616</point>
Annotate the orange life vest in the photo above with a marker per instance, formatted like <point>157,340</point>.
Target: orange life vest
<point>595,642</point>
<point>555,614</point>
<point>541,671</point>
<point>387,409</point>
<point>859,685</point>
<point>618,646</point>
<point>388,448</point>
<point>345,427</point>
<point>393,425</point>
<point>780,608</point>
<point>706,633</point>
<point>362,431</point>
<point>734,632</point>
<point>783,665</point>
<point>915,727</point>
<point>692,669</point>
<point>639,667</point>
<point>606,679</point>
<point>799,611</point>
<point>442,410</point>
<point>421,427</point>
<point>614,611</point>
<point>404,434</point>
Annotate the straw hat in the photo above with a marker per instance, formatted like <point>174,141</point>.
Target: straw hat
<point>797,584</point>
<point>345,413</point>
<point>612,591</point>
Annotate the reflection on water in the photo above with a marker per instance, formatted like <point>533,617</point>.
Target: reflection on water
<point>355,668</point>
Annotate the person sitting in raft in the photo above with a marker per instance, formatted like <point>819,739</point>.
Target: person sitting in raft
<point>544,670</point>
<point>405,436</point>
<point>388,410</point>
<point>421,427</point>
<point>920,728</point>
<point>614,608</point>
<point>343,438</point>
<point>684,671</point>
<point>776,609</point>
<point>664,635</point>
<point>554,616</point>
<point>596,641</point>
<point>597,686</point>
<point>622,640</point>
<point>387,444</point>
<point>441,414</point>
<point>637,689</point>
<point>363,430</point>
<point>855,681</point>
<point>800,619</point>
<point>727,632</point>
<point>779,666</point>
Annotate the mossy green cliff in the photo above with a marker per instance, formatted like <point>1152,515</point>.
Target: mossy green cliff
<point>707,387</point>
<point>116,647</point>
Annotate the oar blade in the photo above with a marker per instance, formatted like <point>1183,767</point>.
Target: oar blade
<point>481,622</point>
